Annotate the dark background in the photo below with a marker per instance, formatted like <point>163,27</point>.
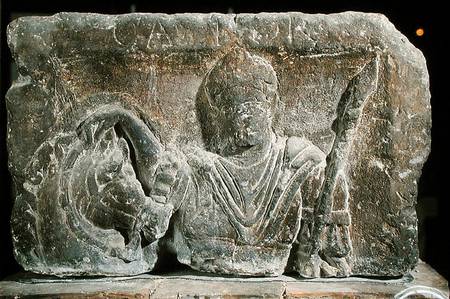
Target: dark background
<point>407,16</point>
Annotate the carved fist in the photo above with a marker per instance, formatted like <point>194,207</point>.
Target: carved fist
<point>165,177</point>
<point>300,151</point>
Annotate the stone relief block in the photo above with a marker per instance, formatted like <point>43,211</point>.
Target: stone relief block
<point>243,144</point>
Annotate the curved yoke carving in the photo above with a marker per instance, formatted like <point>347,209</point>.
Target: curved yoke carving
<point>111,189</point>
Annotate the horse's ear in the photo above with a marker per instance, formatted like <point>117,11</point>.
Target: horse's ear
<point>123,146</point>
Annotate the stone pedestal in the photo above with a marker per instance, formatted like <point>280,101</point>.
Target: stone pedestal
<point>423,280</point>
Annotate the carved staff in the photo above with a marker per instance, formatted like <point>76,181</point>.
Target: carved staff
<point>349,110</point>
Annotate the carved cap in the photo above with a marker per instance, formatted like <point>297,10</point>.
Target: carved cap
<point>241,77</point>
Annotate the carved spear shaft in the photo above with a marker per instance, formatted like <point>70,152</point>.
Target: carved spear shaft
<point>349,110</point>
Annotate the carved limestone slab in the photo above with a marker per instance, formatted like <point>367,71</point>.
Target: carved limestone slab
<point>241,144</point>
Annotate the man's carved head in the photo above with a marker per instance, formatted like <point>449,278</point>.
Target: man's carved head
<point>241,93</point>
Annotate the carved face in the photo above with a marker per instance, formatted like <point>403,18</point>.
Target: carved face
<point>121,193</point>
<point>241,94</point>
<point>116,195</point>
<point>247,122</point>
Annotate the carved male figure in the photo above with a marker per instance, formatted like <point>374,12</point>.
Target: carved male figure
<point>241,207</point>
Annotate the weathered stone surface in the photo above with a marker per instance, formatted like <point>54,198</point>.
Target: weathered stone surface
<point>243,144</point>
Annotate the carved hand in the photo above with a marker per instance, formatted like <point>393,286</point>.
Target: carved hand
<point>300,151</point>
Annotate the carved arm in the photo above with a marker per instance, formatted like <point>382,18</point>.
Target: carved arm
<point>147,147</point>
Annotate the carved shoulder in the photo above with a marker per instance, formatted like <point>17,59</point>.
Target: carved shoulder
<point>300,150</point>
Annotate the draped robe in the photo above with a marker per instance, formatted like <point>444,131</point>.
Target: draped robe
<point>243,212</point>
